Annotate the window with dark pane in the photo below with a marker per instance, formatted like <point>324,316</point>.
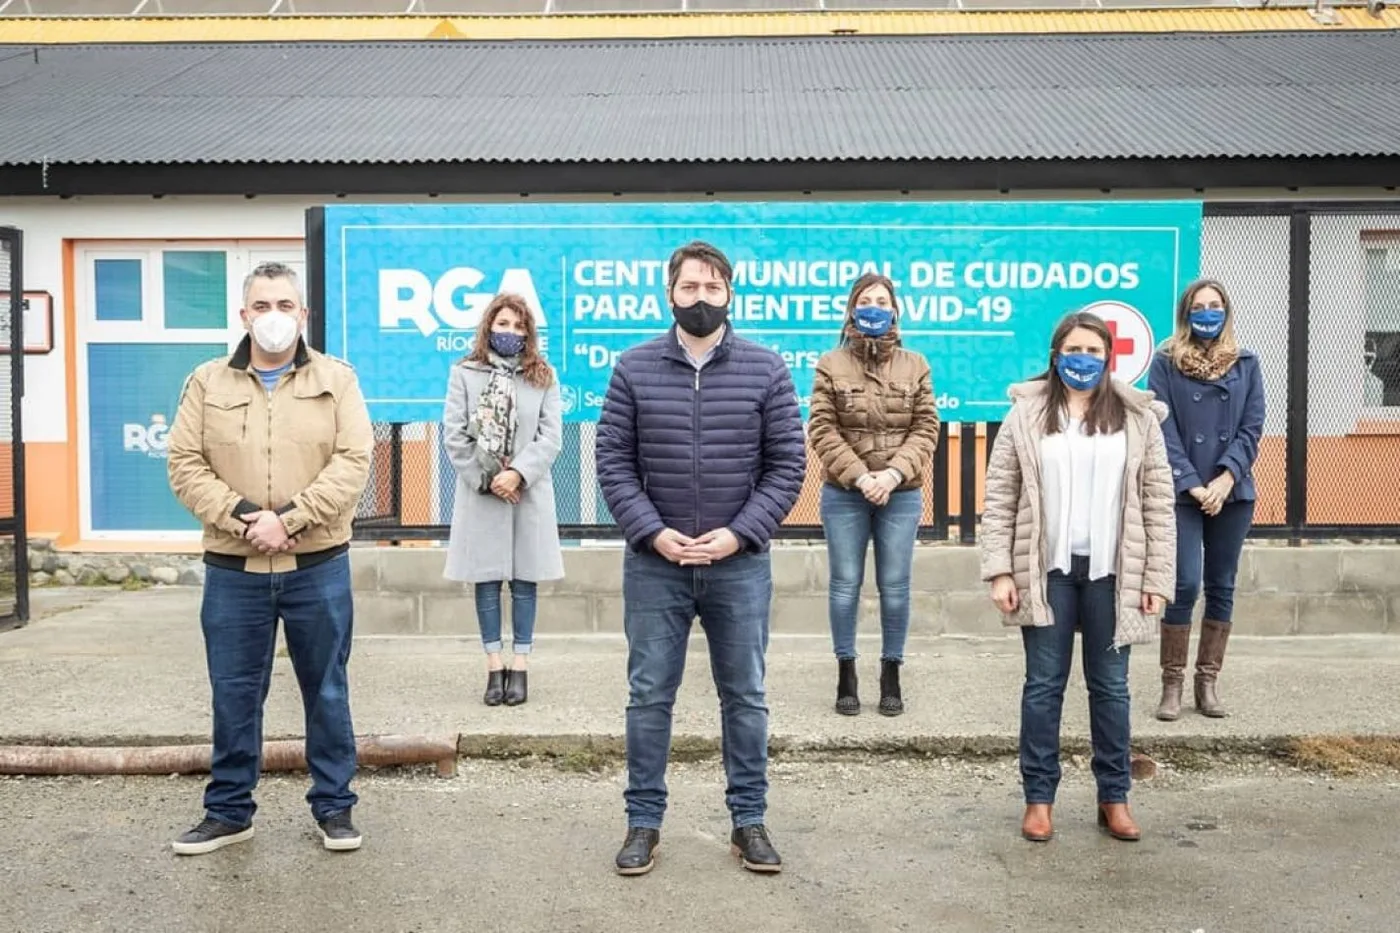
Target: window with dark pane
<point>196,289</point>
<point>1382,349</point>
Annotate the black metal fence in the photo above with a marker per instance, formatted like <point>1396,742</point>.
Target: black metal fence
<point>1316,287</point>
<point>14,551</point>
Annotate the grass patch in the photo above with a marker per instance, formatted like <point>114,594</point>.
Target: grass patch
<point>1345,755</point>
<point>131,584</point>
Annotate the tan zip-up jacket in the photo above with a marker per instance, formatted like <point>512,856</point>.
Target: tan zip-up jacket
<point>302,450</point>
<point>1013,519</point>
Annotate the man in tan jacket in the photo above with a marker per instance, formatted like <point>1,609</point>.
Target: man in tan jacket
<point>270,450</point>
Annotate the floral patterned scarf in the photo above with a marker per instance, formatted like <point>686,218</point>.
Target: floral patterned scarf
<point>494,423</point>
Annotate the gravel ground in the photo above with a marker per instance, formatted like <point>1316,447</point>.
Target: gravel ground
<point>1235,843</point>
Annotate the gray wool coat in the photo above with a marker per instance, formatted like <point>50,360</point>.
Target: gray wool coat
<point>492,539</point>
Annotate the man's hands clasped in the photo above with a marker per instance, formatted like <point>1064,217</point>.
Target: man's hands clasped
<point>267,533</point>
<point>709,548</point>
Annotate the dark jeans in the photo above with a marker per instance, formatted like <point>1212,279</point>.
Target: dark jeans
<point>1090,605</point>
<point>522,615</point>
<point>1213,545</point>
<point>850,521</point>
<point>660,602</point>
<point>239,618</point>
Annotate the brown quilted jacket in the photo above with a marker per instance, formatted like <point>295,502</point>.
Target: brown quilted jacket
<point>1012,536</point>
<point>872,408</point>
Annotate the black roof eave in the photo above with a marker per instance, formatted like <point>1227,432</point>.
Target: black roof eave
<point>481,178</point>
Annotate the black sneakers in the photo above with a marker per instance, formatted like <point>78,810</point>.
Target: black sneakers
<point>754,849</point>
<point>636,856</point>
<point>210,836</point>
<point>338,834</point>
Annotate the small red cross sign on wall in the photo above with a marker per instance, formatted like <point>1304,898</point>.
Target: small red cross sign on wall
<point>1132,338</point>
<point>1122,346</point>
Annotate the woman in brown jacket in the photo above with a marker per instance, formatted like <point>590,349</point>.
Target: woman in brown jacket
<point>874,426</point>
<point>1079,530</point>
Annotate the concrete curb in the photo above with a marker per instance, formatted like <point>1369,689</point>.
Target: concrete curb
<point>603,749</point>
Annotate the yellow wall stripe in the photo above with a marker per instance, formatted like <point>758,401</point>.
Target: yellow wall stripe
<point>669,25</point>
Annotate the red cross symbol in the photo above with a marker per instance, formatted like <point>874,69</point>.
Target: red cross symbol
<point>1121,346</point>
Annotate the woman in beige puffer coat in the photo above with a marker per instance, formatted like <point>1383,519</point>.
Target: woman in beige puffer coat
<point>1079,531</point>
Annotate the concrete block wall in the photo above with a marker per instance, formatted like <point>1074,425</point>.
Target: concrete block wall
<point>1311,590</point>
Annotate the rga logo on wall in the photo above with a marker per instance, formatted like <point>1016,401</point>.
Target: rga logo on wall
<point>409,301</point>
<point>150,439</point>
<point>568,399</point>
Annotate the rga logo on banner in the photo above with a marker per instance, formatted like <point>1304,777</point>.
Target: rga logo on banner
<point>150,439</point>
<point>454,303</point>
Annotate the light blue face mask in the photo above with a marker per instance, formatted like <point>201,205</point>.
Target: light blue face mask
<point>1080,370</point>
<point>1207,323</point>
<point>873,320</point>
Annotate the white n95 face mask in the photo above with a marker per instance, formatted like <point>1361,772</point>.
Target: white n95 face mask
<point>275,331</point>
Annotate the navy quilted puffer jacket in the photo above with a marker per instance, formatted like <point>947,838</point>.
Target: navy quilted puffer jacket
<point>697,451</point>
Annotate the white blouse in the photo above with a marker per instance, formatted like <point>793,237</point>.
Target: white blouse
<point>1082,494</point>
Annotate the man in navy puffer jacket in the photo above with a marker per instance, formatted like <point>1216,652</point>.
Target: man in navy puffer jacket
<point>701,456</point>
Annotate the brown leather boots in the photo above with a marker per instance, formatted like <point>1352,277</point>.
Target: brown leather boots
<point>1176,642</point>
<point>1117,820</point>
<point>1114,818</point>
<point>1210,655</point>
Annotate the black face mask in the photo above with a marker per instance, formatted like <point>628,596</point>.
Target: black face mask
<point>701,319</point>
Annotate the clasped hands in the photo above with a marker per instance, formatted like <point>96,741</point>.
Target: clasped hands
<point>1212,495</point>
<point>506,484</point>
<point>686,551</point>
<point>267,533</point>
<point>876,487</point>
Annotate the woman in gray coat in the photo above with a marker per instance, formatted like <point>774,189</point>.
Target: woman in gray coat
<point>502,433</point>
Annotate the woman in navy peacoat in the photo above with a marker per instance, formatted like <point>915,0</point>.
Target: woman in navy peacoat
<point>1215,392</point>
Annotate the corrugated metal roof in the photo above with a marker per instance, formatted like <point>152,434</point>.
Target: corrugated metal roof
<point>52,30</point>
<point>986,97</point>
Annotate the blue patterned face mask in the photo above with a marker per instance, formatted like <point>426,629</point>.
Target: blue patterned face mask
<point>1207,323</point>
<point>506,344</point>
<point>1080,370</point>
<point>872,320</point>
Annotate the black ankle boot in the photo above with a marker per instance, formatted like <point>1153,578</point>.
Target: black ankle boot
<point>891,701</point>
<point>495,688</point>
<point>516,688</point>
<point>847,702</point>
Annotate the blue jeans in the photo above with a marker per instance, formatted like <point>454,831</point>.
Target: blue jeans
<point>1219,540</point>
<point>239,617</point>
<point>522,615</point>
<point>850,522</point>
<point>1092,606</point>
<point>660,602</point>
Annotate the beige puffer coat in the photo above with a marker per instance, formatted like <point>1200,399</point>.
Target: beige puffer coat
<point>1012,536</point>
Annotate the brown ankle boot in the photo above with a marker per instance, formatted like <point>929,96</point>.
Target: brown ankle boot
<point>1118,820</point>
<point>1036,825</point>
<point>1176,641</point>
<point>1210,655</point>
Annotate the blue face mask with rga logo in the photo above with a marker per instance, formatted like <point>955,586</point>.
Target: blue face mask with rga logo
<point>1080,370</point>
<point>1207,323</point>
<point>873,321</point>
